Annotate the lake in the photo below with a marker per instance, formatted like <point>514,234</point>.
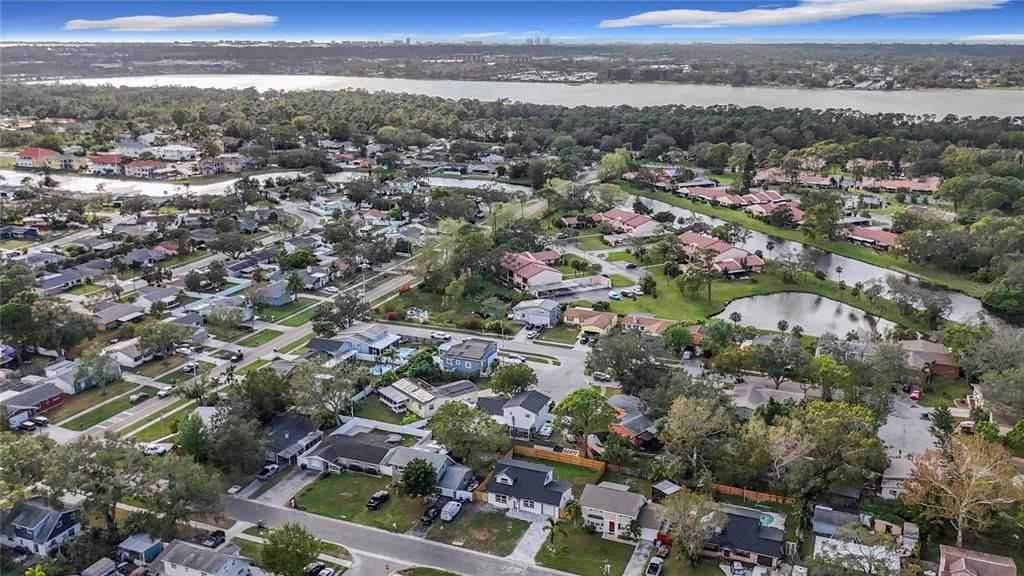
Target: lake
<point>815,314</point>
<point>982,102</point>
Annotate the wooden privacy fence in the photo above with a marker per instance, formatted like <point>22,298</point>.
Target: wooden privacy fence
<point>751,494</point>
<point>562,457</point>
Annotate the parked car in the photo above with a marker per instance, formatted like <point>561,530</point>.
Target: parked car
<point>331,289</point>
<point>154,450</point>
<point>915,394</point>
<point>27,426</point>
<point>138,397</point>
<point>326,572</point>
<point>438,335</point>
<point>313,568</point>
<point>190,367</point>
<point>631,266</point>
<point>237,356</point>
<point>966,427</point>
<point>378,499</point>
<point>655,566</point>
<point>267,472</point>
<point>738,569</point>
<point>430,514</point>
<point>215,539</point>
<point>165,392</point>
<point>533,334</point>
<point>638,292</point>
<point>613,295</point>
<point>450,511</point>
<point>184,351</point>
<point>40,420</point>
<point>906,387</point>
<point>545,431</point>
<point>235,489</point>
<point>601,377</point>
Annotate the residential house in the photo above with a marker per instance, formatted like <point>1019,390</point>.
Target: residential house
<point>115,314</point>
<point>923,356</point>
<point>18,233</point>
<point>645,323</point>
<point>215,303</point>
<point>540,312</point>
<point>366,343</point>
<point>140,548</point>
<point>925,185</point>
<point>626,222</point>
<point>106,165</point>
<point>235,162</point>
<point>67,162</point>
<point>35,400</point>
<point>102,567</point>
<point>32,525</point>
<point>128,354</point>
<point>149,295</point>
<point>589,321</point>
<point>615,512</point>
<point>359,452</point>
<point>273,294</point>
<point>527,487</point>
<point>181,558</point>
<point>630,421</point>
<point>144,169</point>
<point>746,538</point>
<point>34,157</point>
<point>873,237</point>
<point>168,248</point>
<point>728,259</point>
<point>36,260</point>
<point>95,244</point>
<point>474,356</point>
<point>895,477</point>
<point>132,149</point>
<point>143,257</point>
<point>862,558</point>
<point>764,211</point>
<point>828,521</point>
<point>289,436</point>
<point>930,212</point>
<point>64,375</point>
<point>51,284</point>
<point>452,478</point>
<point>176,153</point>
<point>202,236</point>
<point>955,561</point>
<point>530,270</point>
<point>194,321</point>
<point>310,243</point>
<point>524,414</point>
<point>423,399</point>
<point>316,277</point>
<point>210,166</point>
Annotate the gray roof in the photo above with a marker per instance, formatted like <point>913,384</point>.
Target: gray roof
<point>157,292</point>
<point>143,255</point>
<point>323,345</point>
<point>455,477</point>
<point>403,455</point>
<point>391,393</point>
<point>612,500</point>
<point>138,542</point>
<point>471,348</point>
<point>744,532</point>
<point>33,396</point>
<point>491,404</point>
<point>288,429</point>
<point>59,279</point>
<point>190,319</point>
<point>456,389</point>
<point>637,424</point>
<point>544,303</point>
<point>116,312</point>
<point>528,482</point>
<point>827,515</point>
<point>193,556</point>
<point>32,512</point>
<point>368,448</point>
<point>626,403</point>
<point>101,567</point>
<point>530,400</point>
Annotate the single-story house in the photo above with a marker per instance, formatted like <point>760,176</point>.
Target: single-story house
<point>895,477</point>
<point>955,561</point>
<point>194,321</point>
<point>474,356</point>
<point>36,260</point>
<point>529,487</point>
<point>614,512</point>
<point>359,452</point>
<point>452,478</point>
<point>128,354</point>
<point>528,270</point>
<point>273,294</point>
<point>18,233</point>
<point>589,320</point>
<point>872,237</point>
<point>140,548</point>
<point>646,323</point>
<point>827,520</point>
<point>149,295</point>
<point>35,400</point>
<point>102,567</point>
<point>525,413</point>
<point>922,355</point>
<point>290,436</point>
<point>143,257</point>
<point>745,537</point>
<point>32,525</point>
<point>59,282</point>
<point>539,312</point>
<point>626,222</point>
<point>181,558</point>
<point>360,343</point>
<point>114,315</point>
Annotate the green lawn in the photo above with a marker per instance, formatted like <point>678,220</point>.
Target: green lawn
<point>590,242</point>
<point>83,289</point>
<point>622,256</point>
<point>619,281</point>
<point>638,485</point>
<point>259,338</point>
<point>374,409</point>
<point>228,334</point>
<point>344,496</point>
<point>274,481</point>
<point>453,315</point>
<point>676,566</point>
<point>253,366</point>
<point>154,368</point>
<point>180,375</point>
<point>583,553</point>
<point>84,400</point>
<point>864,254</point>
<point>300,318</point>
<point>181,259</point>
<point>491,532</point>
<point>300,343</point>
<point>90,419</point>
<point>164,425</point>
<point>566,266</point>
<point>562,334</point>
<point>575,475</point>
<point>942,392</point>
<point>275,313</point>
<point>14,244</point>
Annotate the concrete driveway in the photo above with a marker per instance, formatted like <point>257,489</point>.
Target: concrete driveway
<point>282,493</point>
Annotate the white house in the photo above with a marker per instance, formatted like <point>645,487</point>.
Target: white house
<point>33,525</point>
<point>181,558</point>
<point>539,312</point>
<point>422,399</point>
<point>106,164</point>
<point>615,512</point>
<point>518,485</point>
<point>525,413</point>
<point>128,354</point>
<point>176,153</point>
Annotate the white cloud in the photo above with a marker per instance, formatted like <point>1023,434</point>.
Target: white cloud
<point>995,38</point>
<point>532,32</point>
<point>805,12</point>
<point>174,23</point>
<point>481,35</point>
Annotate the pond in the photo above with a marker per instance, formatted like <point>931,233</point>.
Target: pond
<point>815,314</point>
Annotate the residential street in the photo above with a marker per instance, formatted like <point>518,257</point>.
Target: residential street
<point>366,542</point>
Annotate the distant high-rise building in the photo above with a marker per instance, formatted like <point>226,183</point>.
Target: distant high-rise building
<point>537,41</point>
<point>547,41</point>
<point>407,41</point>
<point>529,41</point>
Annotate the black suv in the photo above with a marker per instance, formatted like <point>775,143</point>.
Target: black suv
<point>215,539</point>
<point>378,499</point>
<point>430,514</point>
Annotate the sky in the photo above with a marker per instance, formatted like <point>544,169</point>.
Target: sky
<point>491,21</point>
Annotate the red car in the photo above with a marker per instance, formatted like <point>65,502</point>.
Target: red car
<point>915,394</point>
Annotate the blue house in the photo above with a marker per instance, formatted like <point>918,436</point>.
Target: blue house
<point>141,548</point>
<point>473,356</point>
<point>273,294</point>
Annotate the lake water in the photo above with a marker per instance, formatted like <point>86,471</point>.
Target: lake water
<point>815,314</point>
<point>988,102</point>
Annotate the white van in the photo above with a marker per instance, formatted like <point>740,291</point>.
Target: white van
<point>450,511</point>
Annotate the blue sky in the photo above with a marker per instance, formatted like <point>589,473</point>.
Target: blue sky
<point>511,21</point>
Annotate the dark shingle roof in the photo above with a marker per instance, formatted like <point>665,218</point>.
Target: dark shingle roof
<point>323,345</point>
<point>367,448</point>
<point>491,404</point>
<point>746,533</point>
<point>288,429</point>
<point>528,482</point>
<point>529,400</point>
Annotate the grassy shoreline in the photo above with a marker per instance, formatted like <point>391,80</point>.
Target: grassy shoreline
<point>925,272</point>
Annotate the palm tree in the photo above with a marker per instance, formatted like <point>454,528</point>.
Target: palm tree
<point>553,526</point>
<point>839,272</point>
<point>575,511</point>
<point>929,369</point>
<point>782,325</point>
<point>295,283</point>
<point>259,276</point>
<point>735,317</point>
<point>770,246</point>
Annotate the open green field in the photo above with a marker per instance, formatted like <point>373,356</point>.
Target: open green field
<point>259,338</point>
<point>580,552</point>
<point>344,496</point>
<point>590,242</point>
<point>484,531</point>
<point>562,334</point>
<point>84,400</point>
<point>864,254</point>
<point>94,417</point>
<point>275,313</point>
